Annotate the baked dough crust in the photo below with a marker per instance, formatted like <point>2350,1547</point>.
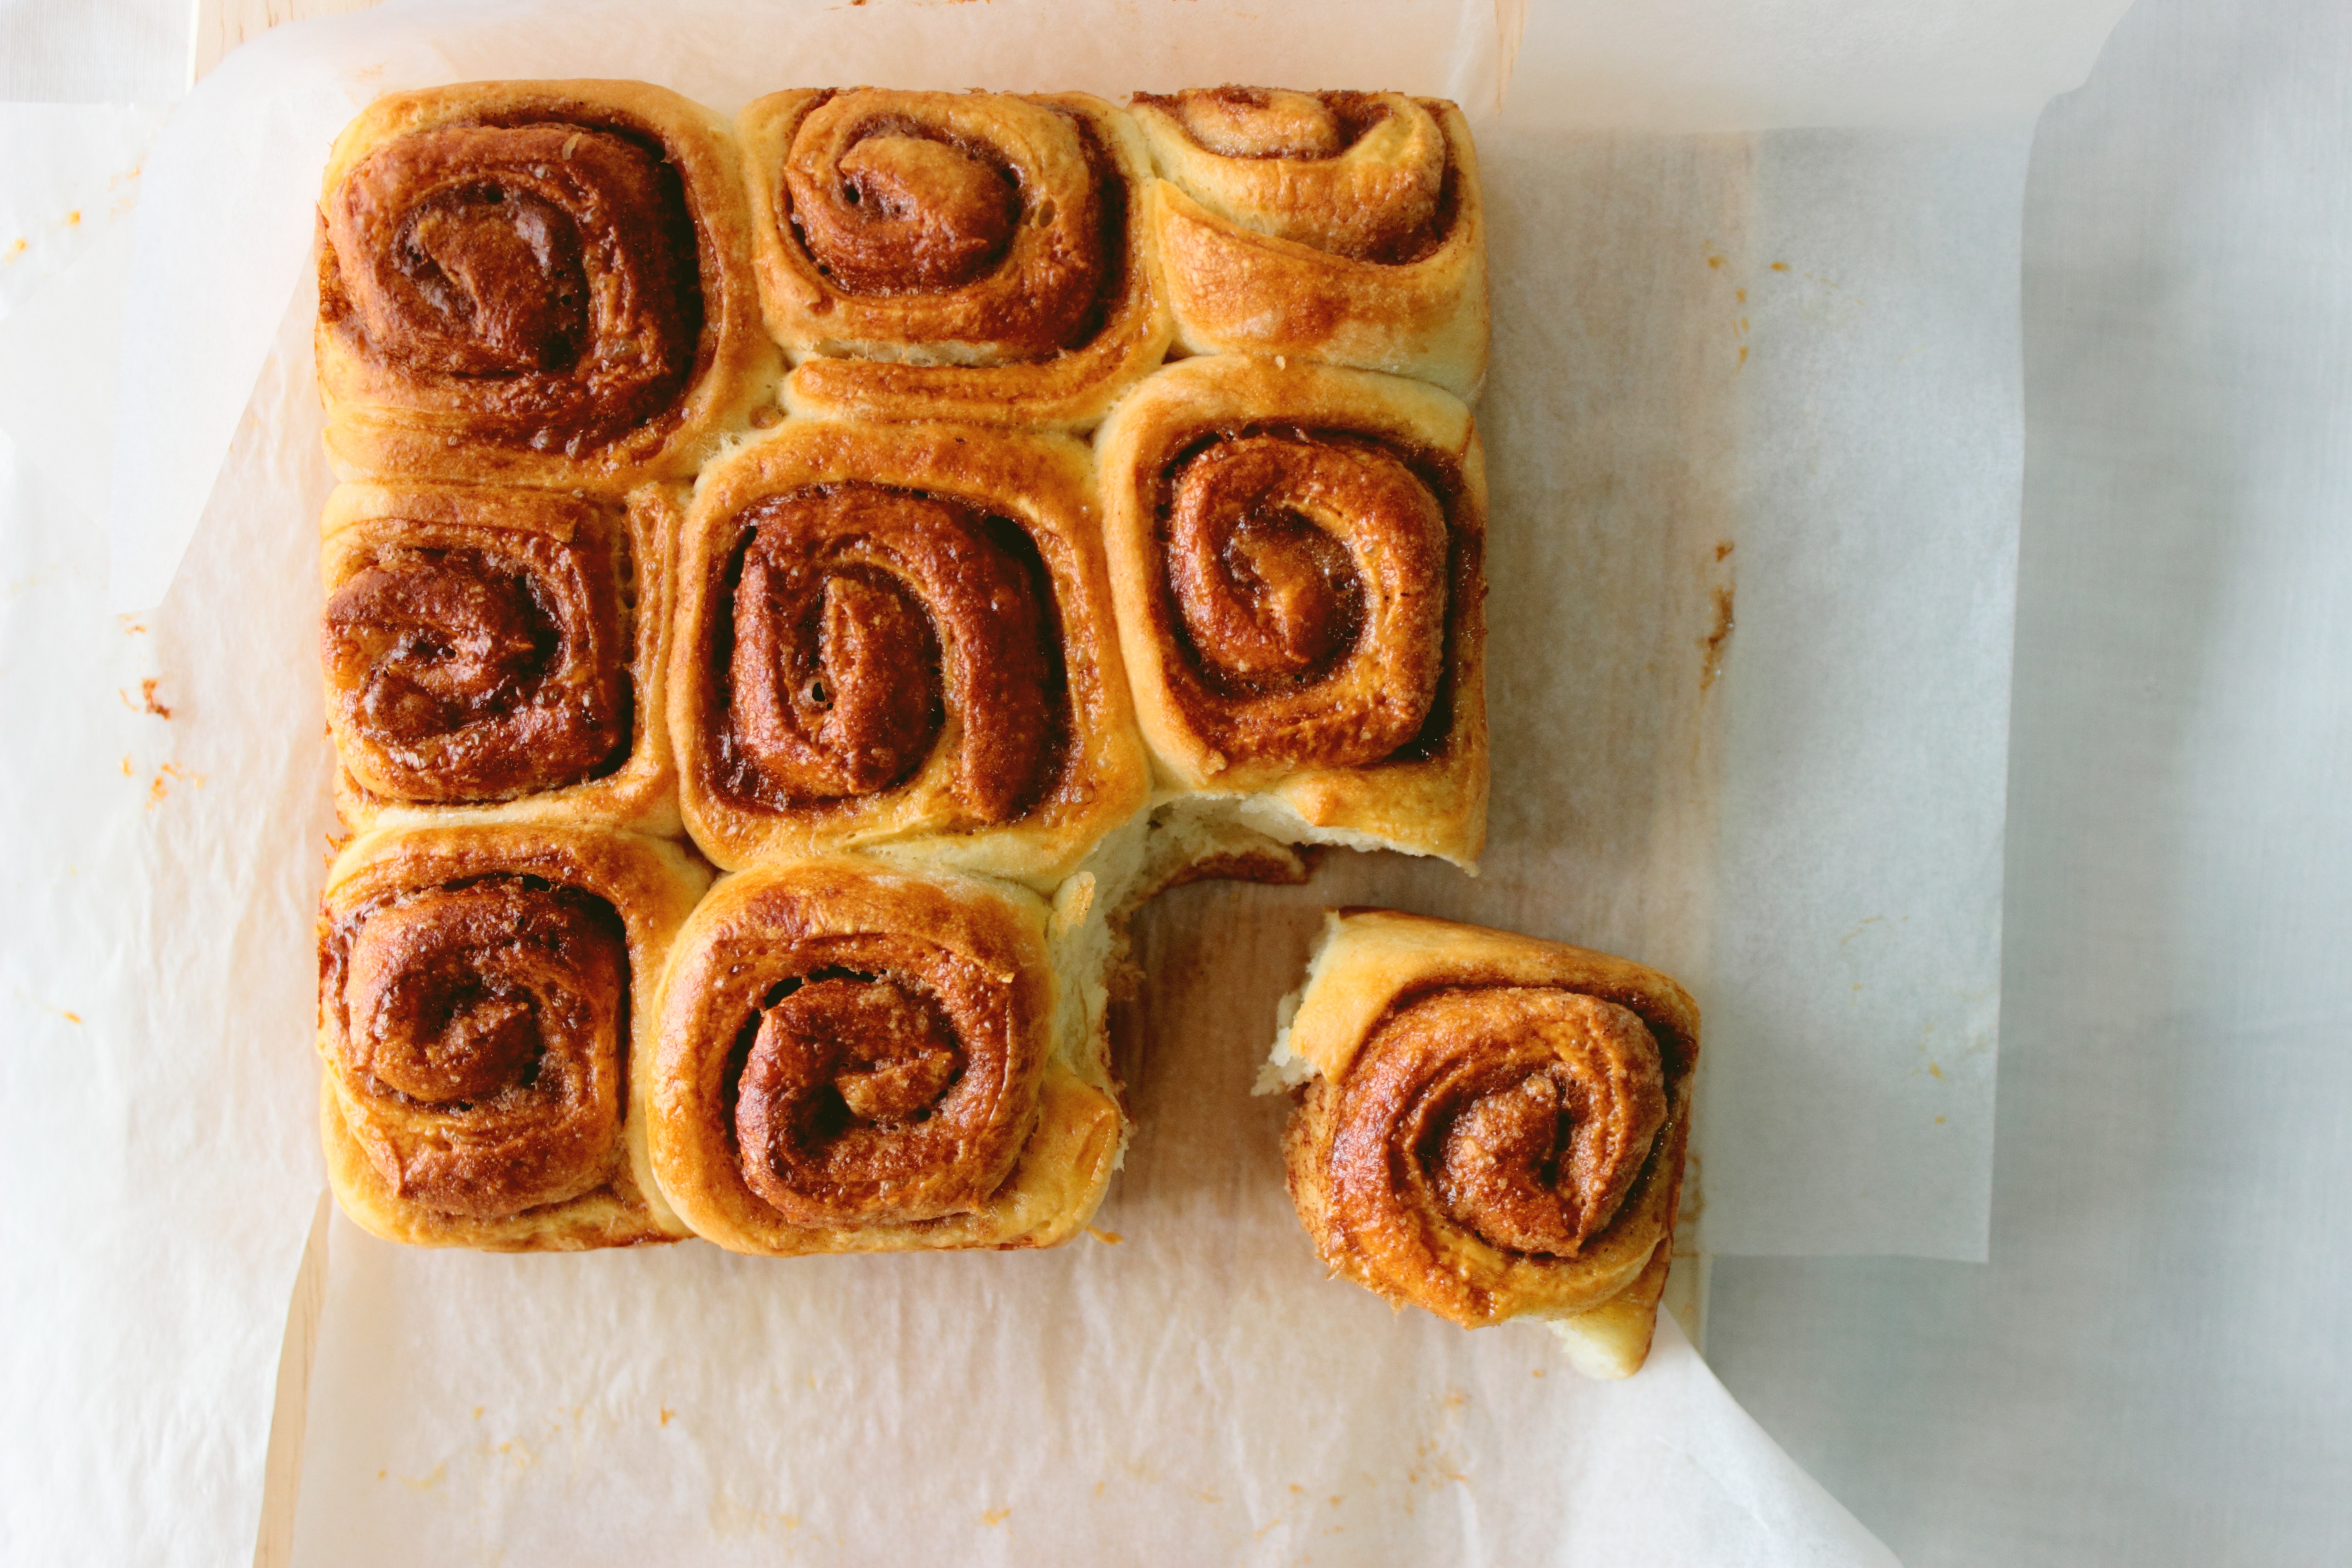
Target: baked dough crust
<point>1040,483</point>
<point>767,930</point>
<point>967,348</point>
<point>615,564</point>
<point>416,410</point>
<point>1427,796</point>
<point>1241,280</point>
<point>1377,978</point>
<point>649,884</point>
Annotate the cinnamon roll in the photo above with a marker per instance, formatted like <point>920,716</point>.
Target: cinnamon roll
<point>497,652</point>
<point>1491,1127</point>
<point>899,636</point>
<point>853,1058</point>
<point>482,995</point>
<point>976,256</point>
<point>1296,556</point>
<point>1341,227</point>
<point>544,283</point>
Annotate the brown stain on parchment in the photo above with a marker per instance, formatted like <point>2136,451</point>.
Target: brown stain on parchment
<point>1717,638</point>
<point>147,702</point>
<point>170,773</point>
<point>731,1520</point>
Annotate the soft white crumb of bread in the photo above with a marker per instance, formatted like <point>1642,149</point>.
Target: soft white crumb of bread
<point>1603,1345</point>
<point>1285,1070</point>
<point>1277,818</point>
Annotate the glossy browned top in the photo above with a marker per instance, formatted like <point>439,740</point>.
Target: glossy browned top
<point>1308,578</point>
<point>1525,1116</point>
<point>988,220</point>
<point>478,1030</point>
<point>475,665</point>
<point>1365,175</point>
<point>541,277</point>
<point>862,619</point>
<point>877,1096</point>
<point>861,1047</point>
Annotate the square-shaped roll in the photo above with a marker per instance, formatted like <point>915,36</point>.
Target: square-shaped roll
<point>1341,227</point>
<point>1490,1126</point>
<point>493,653</point>
<point>538,283</point>
<point>1297,556</point>
<point>486,1012</point>
<point>899,637</point>
<point>954,256</point>
<point>859,1059</point>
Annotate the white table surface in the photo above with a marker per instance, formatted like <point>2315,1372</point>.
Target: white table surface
<point>2151,1369</point>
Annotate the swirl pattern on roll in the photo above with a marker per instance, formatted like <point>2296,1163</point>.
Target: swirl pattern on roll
<point>881,1086</point>
<point>872,625</point>
<point>1308,583</point>
<point>1523,1116</point>
<point>475,665</point>
<point>845,1050</point>
<point>538,280</point>
<point>990,224</point>
<point>477,1034</point>
<point>1358,174</point>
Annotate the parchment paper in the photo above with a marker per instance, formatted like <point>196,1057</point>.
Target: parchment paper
<point>1773,769</point>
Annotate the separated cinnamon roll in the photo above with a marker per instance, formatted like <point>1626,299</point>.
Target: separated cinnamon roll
<point>1491,1127</point>
<point>542,283</point>
<point>482,993</point>
<point>1343,227</point>
<point>901,637</point>
<point>974,257</point>
<point>1297,555</point>
<point>853,1058</point>
<point>496,653</point>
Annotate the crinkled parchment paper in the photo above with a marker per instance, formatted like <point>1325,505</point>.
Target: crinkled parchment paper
<point>1753,435</point>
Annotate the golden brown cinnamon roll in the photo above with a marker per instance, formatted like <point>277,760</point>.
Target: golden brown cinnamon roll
<point>482,995</point>
<point>1297,555</point>
<point>901,637</point>
<point>856,1059</point>
<point>497,652</point>
<point>539,283</point>
<point>1491,1127</point>
<point>975,256</point>
<point>1343,227</point>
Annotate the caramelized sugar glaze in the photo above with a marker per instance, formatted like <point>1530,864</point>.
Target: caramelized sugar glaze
<point>1496,1125</point>
<point>900,633</point>
<point>541,278</point>
<point>863,620</point>
<point>1368,176</point>
<point>1307,578</point>
<point>992,224</point>
<point>856,1059</point>
<point>1522,1116</point>
<point>966,256</point>
<point>476,1031</point>
<point>478,647</point>
<point>879,1078</point>
<point>545,283</point>
<point>484,989</point>
<point>1298,557</point>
